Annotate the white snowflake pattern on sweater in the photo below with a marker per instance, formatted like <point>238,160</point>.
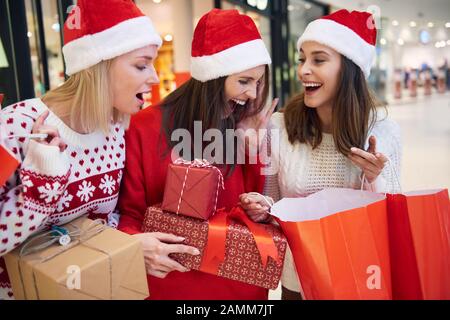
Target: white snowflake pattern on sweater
<point>52,187</point>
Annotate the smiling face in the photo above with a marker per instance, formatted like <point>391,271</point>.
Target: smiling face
<point>318,70</point>
<point>240,88</point>
<point>132,75</point>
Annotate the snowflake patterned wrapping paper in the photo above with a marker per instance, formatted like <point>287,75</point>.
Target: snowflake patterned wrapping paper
<point>242,261</point>
<point>108,265</point>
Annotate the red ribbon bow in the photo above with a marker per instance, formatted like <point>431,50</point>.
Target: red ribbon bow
<point>214,253</point>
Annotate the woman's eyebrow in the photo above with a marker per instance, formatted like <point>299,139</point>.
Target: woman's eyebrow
<point>146,58</point>
<point>320,52</point>
<point>247,77</point>
<point>316,52</point>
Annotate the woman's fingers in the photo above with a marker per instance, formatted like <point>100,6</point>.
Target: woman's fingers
<point>270,110</point>
<point>382,157</point>
<point>364,154</point>
<point>172,265</point>
<point>52,132</point>
<point>167,237</point>
<point>372,145</point>
<point>379,162</point>
<point>257,216</point>
<point>40,121</point>
<point>181,248</point>
<point>156,273</point>
<point>366,165</point>
<point>57,142</point>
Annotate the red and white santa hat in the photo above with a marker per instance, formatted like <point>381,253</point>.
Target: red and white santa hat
<point>226,42</point>
<point>352,34</point>
<point>104,29</point>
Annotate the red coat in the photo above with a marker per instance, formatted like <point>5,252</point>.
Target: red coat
<point>143,186</point>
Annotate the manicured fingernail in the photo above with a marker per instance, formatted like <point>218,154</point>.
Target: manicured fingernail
<point>196,252</point>
<point>181,238</point>
<point>353,149</point>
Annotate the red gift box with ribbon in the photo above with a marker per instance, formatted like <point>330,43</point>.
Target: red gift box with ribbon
<point>192,188</point>
<point>231,245</point>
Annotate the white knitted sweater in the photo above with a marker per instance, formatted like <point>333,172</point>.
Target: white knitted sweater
<point>298,171</point>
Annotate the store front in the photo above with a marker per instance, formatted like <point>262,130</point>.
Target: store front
<point>31,61</point>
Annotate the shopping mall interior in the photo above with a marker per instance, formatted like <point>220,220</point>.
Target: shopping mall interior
<point>411,72</point>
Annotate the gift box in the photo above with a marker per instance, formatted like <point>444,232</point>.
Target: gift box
<point>101,265</point>
<point>192,188</point>
<point>227,246</point>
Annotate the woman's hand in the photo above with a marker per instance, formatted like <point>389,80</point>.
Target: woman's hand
<point>157,246</point>
<point>256,206</point>
<point>53,138</point>
<point>250,126</point>
<point>259,120</point>
<point>370,162</point>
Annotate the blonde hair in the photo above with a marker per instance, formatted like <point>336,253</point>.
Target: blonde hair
<point>85,100</point>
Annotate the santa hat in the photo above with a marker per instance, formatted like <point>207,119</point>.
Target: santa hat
<point>104,29</point>
<point>352,34</point>
<point>226,42</point>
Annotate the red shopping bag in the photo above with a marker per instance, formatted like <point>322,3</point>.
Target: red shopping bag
<point>8,163</point>
<point>339,241</point>
<point>419,232</point>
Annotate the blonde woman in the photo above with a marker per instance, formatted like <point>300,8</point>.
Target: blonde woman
<point>71,142</point>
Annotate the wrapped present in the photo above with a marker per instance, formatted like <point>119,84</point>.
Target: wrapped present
<point>231,245</point>
<point>99,263</point>
<point>192,188</point>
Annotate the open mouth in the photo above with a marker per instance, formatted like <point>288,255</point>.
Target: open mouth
<point>312,87</point>
<point>140,97</point>
<point>234,103</point>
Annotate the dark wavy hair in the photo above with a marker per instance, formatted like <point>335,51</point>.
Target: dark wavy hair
<point>205,102</point>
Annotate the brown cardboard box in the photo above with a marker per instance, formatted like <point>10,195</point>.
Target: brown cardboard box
<point>110,263</point>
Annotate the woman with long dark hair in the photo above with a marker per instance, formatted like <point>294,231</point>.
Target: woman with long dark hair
<point>228,90</point>
<point>331,135</point>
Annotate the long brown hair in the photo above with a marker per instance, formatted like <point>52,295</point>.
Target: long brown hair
<point>353,114</point>
<point>205,102</point>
